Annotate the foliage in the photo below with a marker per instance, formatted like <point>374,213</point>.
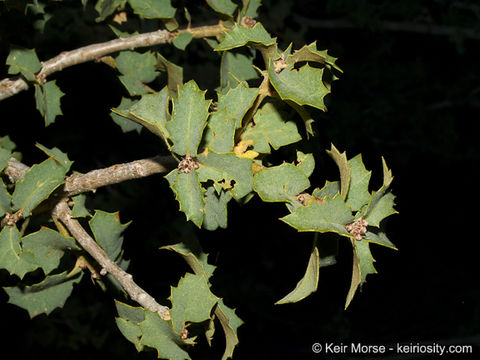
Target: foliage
<point>222,141</point>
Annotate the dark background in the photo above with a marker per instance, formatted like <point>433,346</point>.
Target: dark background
<point>412,97</point>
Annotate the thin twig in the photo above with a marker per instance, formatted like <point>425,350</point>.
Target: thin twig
<point>12,86</point>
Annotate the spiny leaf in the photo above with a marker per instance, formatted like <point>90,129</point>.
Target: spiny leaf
<point>189,195</point>
<point>192,301</point>
<point>230,171</point>
<point>345,171</point>
<point>153,9</point>
<point>303,86</point>
<point>12,257</point>
<point>271,128</point>
<point>250,8</point>
<point>240,36</point>
<point>182,40</point>
<point>7,143</point>
<point>226,7</point>
<point>5,199</point>
<point>59,156</point>
<point>379,237</point>
<point>280,183</point>
<point>151,112</point>
<point>219,134</point>
<point>158,334</point>
<point>137,69</point>
<point>236,67</point>
<point>190,113</point>
<point>24,61</point>
<point>4,157</point>
<point>120,116</point>
<point>215,209</point>
<point>358,194</point>
<point>46,296</point>
<point>174,73</point>
<point>230,323</point>
<point>327,215</point>
<point>47,97</point>
<point>306,163</point>
<point>310,53</point>
<point>237,102</point>
<point>329,190</point>
<point>37,185</point>
<point>105,8</point>
<point>79,209</point>
<point>48,247</point>
<point>107,229</point>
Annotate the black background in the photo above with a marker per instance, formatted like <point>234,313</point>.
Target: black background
<point>410,97</point>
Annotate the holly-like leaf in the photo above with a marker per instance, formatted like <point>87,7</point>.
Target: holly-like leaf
<point>6,143</point>
<point>5,199</point>
<point>174,73</point>
<point>280,183</point>
<point>225,7</point>
<point>25,62</point>
<point>79,209</point>
<point>219,134</point>
<point>327,215</point>
<point>329,190</point>
<point>190,113</point>
<point>306,163</point>
<point>230,323</point>
<point>308,284</point>
<point>48,247</point>
<point>310,53</point>
<point>158,334</point>
<point>250,8</point>
<point>303,86</point>
<point>237,102</point>
<point>153,9</point>
<point>107,229</point>
<point>4,157</point>
<point>37,185</point>
<point>358,194</point>
<point>105,8</point>
<point>379,238</point>
<point>345,171</point>
<point>235,68</point>
<point>59,156</point>
<point>137,69</point>
<point>227,170</point>
<point>192,301</point>
<point>240,36</point>
<point>189,195</point>
<point>121,117</point>
<point>47,98</point>
<point>12,257</point>
<point>182,40</point>
<point>127,322</point>
<point>271,128</point>
<point>151,112</point>
<point>216,209</point>
<point>46,296</point>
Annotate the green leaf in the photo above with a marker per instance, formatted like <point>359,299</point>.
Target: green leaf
<point>127,322</point>
<point>5,155</point>
<point>240,36</point>
<point>328,215</point>
<point>303,86</point>
<point>12,257</point>
<point>271,128</point>
<point>308,284</point>
<point>194,256</point>
<point>7,143</point>
<point>137,69</point>
<point>237,102</point>
<point>5,199</point>
<point>220,131</point>
<point>235,68</point>
<point>153,9</point>
<point>230,323</point>
<point>228,170</point>
<point>190,113</point>
<point>107,229</point>
<point>358,194</point>
<point>306,163</point>
<point>151,112</point>
<point>105,8</point>
<point>329,190</point>
<point>44,297</point>
<point>59,156</point>
<point>47,97</point>
<point>215,209</point>
<point>189,195</point>
<point>182,40</point>
<point>192,301</point>
<point>79,209</point>
<point>280,183</point>
<point>48,247</point>
<point>24,61</point>
<point>250,8</point>
<point>37,185</point>
<point>345,171</point>
<point>120,116</point>
<point>226,7</point>
<point>174,73</point>
<point>379,237</point>
<point>158,334</point>
<point>310,53</point>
